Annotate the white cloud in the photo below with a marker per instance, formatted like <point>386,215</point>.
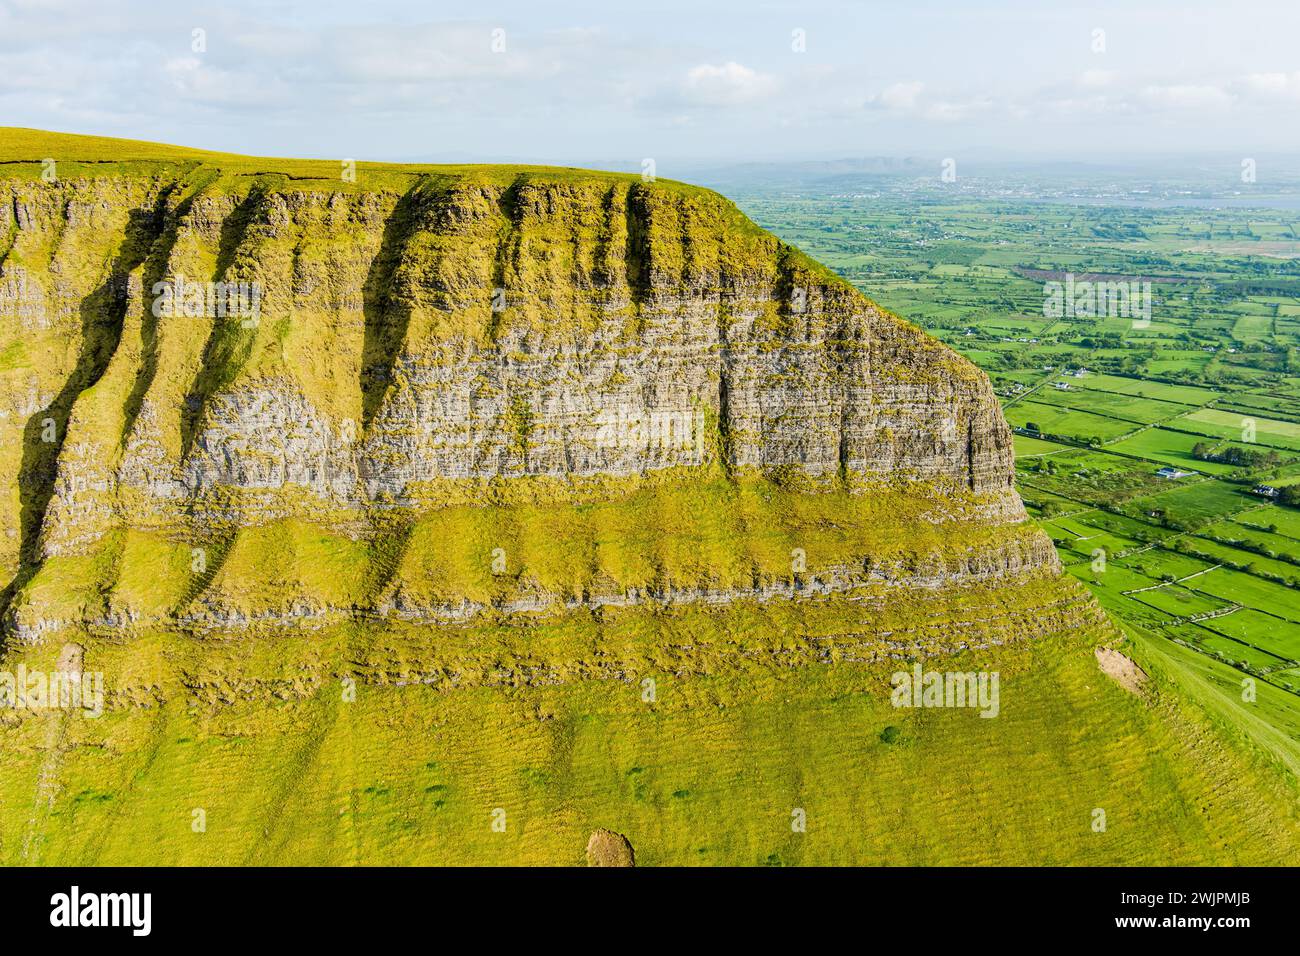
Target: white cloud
<point>195,81</point>
<point>910,99</point>
<point>1097,79</point>
<point>598,81</point>
<point>901,96</point>
<point>1284,85</point>
<point>1186,96</point>
<point>953,111</point>
<point>426,54</point>
<point>727,84</point>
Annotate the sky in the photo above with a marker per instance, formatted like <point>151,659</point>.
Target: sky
<point>602,83</point>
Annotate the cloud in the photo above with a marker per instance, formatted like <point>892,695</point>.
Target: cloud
<point>429,54</point>
<point>1272,85</point>
<point>912,100</point>
<point>1107,92</point>
<point>1186,96</point>
<point>953,111</point>
<point>727,84</point>
<point>195,81</point>
<point>901,96</point>
<point>1097,79</point>
<point>594,80</point>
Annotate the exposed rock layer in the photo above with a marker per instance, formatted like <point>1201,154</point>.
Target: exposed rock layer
<point>435,328</point>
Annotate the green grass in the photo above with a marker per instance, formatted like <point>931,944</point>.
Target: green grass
<point>683,531</point>
<point>33,146</point>
<point>1239,532</point>
<point>1126,408</point>
<point>1225,424</point>
<point>1160,391</point>
<point>1068,423</point>
<point>1179,601</point>
<point>1170,447</point>
<point>1241,588</point>
<point>707,774</point>
<point>1243,655</point>
<point>1167,372</point>
<point>1163,563</point>
<point>1269,633</point>
<point>1285,520</point>
<point>1027,447</point>
<point>1198,500</point>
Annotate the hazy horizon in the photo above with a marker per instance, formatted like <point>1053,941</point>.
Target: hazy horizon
<point>681,83</point>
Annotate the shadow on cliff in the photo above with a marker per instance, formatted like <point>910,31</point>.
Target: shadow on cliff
<point>102,314</point>
<point>387,315</point>
<point>636,255</point>
<point>505,261</point>
<point>155,264</point>
<point>227,336</point>
<point>215,553</point>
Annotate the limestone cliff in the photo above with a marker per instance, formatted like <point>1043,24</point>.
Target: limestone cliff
<point>434,338</point>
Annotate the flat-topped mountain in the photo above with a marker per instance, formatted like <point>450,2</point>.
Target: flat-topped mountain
<point>428,514</point>
<point>207,345</point>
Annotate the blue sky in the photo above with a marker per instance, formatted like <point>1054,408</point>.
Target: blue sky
<point>587,82</point>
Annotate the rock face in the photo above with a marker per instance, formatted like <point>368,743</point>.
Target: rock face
<point>607,848</point>
<point>1122,669</point>
<point>427,333</point>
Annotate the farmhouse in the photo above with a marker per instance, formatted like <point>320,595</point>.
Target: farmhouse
<point>1266,491</point>
<point>1173,474</point>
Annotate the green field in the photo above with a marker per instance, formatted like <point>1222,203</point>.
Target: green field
<point>1224,424</point>
<point>1170,447</point>
<point>1159,391</point>
<point>1143,411</point>
<point>1067,423</point>
<point>1027,447</point>
<point>1239,531</point>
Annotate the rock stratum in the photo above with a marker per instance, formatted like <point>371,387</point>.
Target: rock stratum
<point>416,341</point>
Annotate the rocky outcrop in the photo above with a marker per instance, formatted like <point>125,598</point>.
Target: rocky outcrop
<point>607,848</point>
<point>433,329</point>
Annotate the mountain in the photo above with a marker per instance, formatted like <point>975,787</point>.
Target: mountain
<point>451,514</point>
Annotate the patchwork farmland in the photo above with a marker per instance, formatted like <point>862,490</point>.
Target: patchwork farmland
<point>1139,443</point>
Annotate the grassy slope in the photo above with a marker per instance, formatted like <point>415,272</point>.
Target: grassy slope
<point>709,773</point>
